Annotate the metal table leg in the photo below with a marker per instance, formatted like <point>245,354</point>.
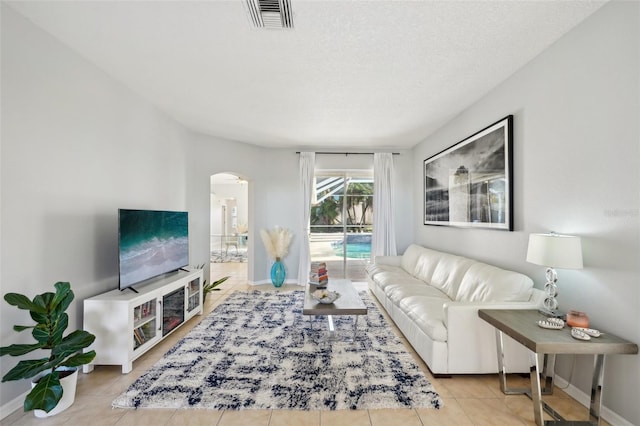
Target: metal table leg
<point>502,368</point>
<point>596,389</point>
<point>536,393</point>
<point>538,377</point>
<point>332,329</point>
<point>547,373</point>
<point>355,326</point>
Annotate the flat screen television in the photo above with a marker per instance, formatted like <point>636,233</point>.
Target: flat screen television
<point>151,243</point>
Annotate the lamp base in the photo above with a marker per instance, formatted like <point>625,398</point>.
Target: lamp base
<point>552,313</point>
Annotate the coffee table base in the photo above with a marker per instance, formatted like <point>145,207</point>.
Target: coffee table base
<point>348,304</point>
<point>332,328</point>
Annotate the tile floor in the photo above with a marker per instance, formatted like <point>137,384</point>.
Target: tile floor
<point>468,400</point>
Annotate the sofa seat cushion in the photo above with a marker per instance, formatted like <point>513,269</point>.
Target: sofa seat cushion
<point>427,313</point>
<point>486,283</point>
<point>398,292</point>
<point>384,279</point>
<point>374,269</point>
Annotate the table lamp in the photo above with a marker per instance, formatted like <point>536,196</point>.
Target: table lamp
<point>554,251</point>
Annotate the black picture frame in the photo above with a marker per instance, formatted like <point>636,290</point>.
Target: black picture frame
<point>470,184</point>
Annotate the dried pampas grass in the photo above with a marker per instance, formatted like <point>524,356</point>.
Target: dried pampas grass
<point>276,241</point>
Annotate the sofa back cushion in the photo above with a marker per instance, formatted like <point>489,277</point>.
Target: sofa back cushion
<point>411,257</point>
<point>486,283</point>
<point>449,272</point>
<point>426,264</point>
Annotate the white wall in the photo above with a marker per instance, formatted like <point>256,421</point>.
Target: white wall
<point>272,191</point>
<point>576,171</point>
<point>76,146</point>
<point>273,195</point>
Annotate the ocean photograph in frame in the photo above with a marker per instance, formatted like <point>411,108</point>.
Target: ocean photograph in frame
<point>470,183</point>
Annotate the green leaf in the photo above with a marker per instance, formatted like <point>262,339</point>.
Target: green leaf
<point>41,334</point>
<point>19,328</point>
<point>213,285</point>
<point>62,300</point>
<point>58,328</point>
<point>19,349</point>
<point>40,317</point>
<point>45,395</point>
<point>73,343</point>
<point>26,369</point>
<point>22,302</point>
<point>63,296</point>
<point>80,359</point>
<point>44,300</point>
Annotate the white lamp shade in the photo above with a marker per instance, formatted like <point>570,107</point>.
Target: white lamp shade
<point>555,251</point>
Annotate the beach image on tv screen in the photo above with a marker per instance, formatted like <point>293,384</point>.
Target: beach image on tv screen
<point>152,243</point>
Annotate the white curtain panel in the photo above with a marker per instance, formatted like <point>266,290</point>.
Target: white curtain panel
<point>383,240</point>
<point>307,166</point>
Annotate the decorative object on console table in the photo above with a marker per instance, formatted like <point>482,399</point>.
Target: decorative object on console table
<point>53,387</point>
<point>470,183</point>
<point>277,241</point>
<point>577,319</point>
<point>554,251</point>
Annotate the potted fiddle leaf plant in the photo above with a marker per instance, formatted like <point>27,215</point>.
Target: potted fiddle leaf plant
<point>53,377</point>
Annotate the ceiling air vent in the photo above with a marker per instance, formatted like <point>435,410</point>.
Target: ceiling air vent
<point>270,13</point>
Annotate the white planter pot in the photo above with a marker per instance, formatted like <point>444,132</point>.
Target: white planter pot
<point>68,394</point>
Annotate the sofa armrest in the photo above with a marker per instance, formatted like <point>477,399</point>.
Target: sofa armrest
<point>461,314</point>
<point>471,340</point>
<point>468,311</point>
<point>388,260</point>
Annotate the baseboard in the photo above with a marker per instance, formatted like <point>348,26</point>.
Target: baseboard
<point>610,416</point>
<point>13,405</point>
<point>263,282</point>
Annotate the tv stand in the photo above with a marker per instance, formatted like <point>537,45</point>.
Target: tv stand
<point>130,288</point>
<point>127,325</point>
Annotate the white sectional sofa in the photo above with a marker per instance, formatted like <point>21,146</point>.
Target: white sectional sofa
<point>434,297</point>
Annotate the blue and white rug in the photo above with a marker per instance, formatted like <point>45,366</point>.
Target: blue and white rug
<point>256,351</point>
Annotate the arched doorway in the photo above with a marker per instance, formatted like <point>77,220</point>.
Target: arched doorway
<point>229,223</point>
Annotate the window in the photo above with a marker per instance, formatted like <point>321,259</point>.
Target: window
<point>341,222</point>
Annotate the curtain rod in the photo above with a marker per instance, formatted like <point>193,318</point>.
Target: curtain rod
<point>348,153</point>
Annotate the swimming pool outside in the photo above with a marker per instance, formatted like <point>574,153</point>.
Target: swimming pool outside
<point>358,246</point>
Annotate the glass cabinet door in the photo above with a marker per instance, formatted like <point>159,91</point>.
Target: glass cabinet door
<point>193,292</point>
<point>144,322</point>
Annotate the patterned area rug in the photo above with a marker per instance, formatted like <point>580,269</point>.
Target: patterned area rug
<point>257,351</point>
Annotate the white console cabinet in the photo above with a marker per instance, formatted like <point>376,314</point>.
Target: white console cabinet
<point>127,324</point>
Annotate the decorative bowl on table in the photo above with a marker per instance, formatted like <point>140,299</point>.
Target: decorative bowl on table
<point>325,296</point>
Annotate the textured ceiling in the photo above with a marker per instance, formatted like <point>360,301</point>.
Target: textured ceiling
<point>350,74</point>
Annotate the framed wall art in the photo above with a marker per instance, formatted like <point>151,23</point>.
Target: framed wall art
<point>470,183</point>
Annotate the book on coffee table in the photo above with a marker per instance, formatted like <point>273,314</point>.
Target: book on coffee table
<point>318,275</point>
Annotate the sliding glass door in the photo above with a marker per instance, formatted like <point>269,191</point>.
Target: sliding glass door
<point>342,222</point>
